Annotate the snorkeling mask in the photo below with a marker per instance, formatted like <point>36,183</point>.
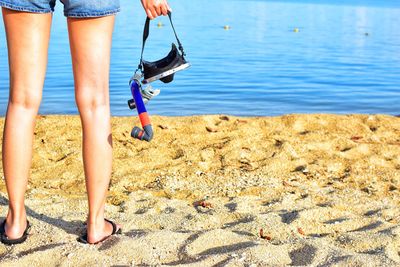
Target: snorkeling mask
<point>165,68</point>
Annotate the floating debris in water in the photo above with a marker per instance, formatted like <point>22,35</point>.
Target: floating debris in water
<point>296,29</point>
<point>159,25</point>
<point>227,27</point>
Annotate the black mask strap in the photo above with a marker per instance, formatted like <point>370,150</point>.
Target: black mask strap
<point>176,36</point>
<point>146,31</point>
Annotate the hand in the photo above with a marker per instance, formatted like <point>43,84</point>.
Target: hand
<point>155,8</point>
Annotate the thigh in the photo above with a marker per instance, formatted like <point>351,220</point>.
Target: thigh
<point>90,43</point>
<point>27,41</point>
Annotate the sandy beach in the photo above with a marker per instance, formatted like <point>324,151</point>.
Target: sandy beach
<point>218,190</point>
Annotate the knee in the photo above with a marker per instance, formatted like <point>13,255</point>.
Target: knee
<point>90,98</point>
<point>25,99</point>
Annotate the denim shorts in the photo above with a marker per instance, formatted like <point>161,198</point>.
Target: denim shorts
<point>72,8</point>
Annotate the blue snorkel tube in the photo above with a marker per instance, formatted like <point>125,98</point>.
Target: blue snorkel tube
<point>146,133</point>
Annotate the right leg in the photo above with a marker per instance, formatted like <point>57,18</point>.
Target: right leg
<point>90,41</point>
<point>27,42</point>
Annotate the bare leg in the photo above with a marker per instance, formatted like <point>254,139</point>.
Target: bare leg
<point>27,41</point>
<point>90,42</point>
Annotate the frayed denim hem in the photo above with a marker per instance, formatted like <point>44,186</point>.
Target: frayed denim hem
<point>25,9</point>
<point>91,14</point>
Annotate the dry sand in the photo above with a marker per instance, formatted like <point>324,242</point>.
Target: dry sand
<point>324,189</point>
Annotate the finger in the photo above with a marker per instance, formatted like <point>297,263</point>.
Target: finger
<point>149,14</point>
<point>164,10</point>
<point>154,12</point>
<point>165,4</point>
<point>158,9</point>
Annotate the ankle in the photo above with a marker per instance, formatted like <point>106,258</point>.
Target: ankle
<point>16,215</point>
<point>96,221</point>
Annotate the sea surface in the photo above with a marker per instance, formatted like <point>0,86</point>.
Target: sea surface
<point>277,57</point>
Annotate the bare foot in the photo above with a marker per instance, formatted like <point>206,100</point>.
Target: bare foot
<point>98,233</point>
<point>15,227</point>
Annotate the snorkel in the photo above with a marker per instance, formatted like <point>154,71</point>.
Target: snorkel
<point>147,72</point>
<point>147,132</point>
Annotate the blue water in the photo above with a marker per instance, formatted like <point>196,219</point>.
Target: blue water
<point>259,67</point>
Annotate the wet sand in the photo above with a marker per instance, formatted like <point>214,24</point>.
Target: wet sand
<point>323,188</point>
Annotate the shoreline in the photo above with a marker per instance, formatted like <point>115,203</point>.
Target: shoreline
<point>229,115</point>
<point>323,187</point>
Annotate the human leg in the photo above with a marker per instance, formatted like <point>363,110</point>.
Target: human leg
<point>27,41</point>
<point>90,43</point>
